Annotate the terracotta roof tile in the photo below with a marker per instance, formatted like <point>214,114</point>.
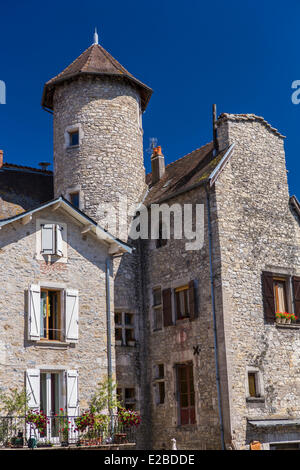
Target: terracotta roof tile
<point>97,61</point>
<point>183,174</point>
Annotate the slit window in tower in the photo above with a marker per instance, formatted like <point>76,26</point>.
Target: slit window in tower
<point>74,199</point>
<point>74,138</point>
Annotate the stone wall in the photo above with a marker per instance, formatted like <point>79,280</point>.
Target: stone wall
<point>256,232</point>
<point>85,271</point>
<point>109,159</point>
<point>171,266</point>
<point>108,164</point>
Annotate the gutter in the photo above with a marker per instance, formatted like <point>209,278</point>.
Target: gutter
<point>108,332</point>
<point>210,238</point>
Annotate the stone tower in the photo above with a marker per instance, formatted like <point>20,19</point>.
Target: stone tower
<point>97,108</point>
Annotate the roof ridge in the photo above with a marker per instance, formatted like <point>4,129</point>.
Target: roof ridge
<point>249,117</point>
<point>112,60</point>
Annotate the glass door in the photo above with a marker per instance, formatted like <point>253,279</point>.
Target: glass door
<point>50,403</point>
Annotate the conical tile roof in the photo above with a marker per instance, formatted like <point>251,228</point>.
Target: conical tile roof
<point>94,61</point>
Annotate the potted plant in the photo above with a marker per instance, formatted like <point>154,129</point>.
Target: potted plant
<point>64,428</point>
<point>126,419</point>
<point>39,420</point>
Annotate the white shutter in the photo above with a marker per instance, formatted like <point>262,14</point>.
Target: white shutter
<point>71,315</point>
<point>34,312</point>
<point>47,231</point>
<point>33,387</point>
<point>72,392</point>
<point>59,240</point>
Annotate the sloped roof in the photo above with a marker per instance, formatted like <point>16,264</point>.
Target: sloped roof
<point>94,61</point>
<point>23,188</point>
<point>184,174</point>
<point>76,213</point>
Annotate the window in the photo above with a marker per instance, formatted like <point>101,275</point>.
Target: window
<point>52,239</point>
<point>124,329</point>
<point>281,294</point>
<point>73,138</point>
<point>49,390</point>
<point>127,397</point>
<point>159,385</point>
<point>186,394</point>
<point>252,384</point>
<point>74,199</point>
<point>49,318</point>
<point>182,302</point>
<point>50,315</point>
<point>157,309</point>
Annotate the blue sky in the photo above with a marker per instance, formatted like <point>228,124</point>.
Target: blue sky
<point>243,56</point>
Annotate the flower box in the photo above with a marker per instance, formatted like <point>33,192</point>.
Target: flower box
<point>285,317</point>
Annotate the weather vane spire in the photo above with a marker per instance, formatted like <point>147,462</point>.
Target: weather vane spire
<point>96,39</point>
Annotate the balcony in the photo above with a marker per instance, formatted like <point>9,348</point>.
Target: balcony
<point>62,431</point>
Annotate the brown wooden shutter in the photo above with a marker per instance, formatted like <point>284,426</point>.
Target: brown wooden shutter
<point>296,291</point>
<point>167,306</point>
<point>192,300</point>
<point>268,296</point>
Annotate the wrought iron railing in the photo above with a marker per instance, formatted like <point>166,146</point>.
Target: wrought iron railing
<point>15,431</point>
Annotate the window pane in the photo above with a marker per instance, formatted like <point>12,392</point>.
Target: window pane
<point>252,384</point>
<point>157,297</point>
<point>118,332</point>
<point>129,334</point>
<point>118,318</point>
<point>280,296</point>
<point>161,386</point>
<point>161,372</point>
<point>74,198</point>
<point>128,319</point>
<point>157,319</point>
<point>74,138</point>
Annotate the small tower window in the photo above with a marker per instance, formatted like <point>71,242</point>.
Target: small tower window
<point>74,199</point>
<point>73,138</point>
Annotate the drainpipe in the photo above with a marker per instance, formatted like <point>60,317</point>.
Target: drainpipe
<point>108,331</point>
<point>214,318</point>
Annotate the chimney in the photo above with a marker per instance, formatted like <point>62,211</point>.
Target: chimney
<point>44,165</point>
<point>1,158</point>
<point>157,164</point>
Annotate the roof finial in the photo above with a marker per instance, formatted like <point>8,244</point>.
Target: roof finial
<point>96,39</point>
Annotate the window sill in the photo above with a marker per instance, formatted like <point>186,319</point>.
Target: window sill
<point>295,326</point>
<point>54,343</point>
<point>182,320</point>
<point>255,399</point>
<point>70,147</point>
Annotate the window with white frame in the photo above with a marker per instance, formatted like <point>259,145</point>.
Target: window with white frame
<point>52,314</point>
<point>52,239</point>
<point>45,391</point>
<point>124,329</point>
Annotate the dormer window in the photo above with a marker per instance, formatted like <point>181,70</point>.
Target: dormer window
<point>74,138</point>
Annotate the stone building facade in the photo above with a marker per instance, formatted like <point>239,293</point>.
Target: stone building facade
<point>197,348</point>
<point>54,306</point>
